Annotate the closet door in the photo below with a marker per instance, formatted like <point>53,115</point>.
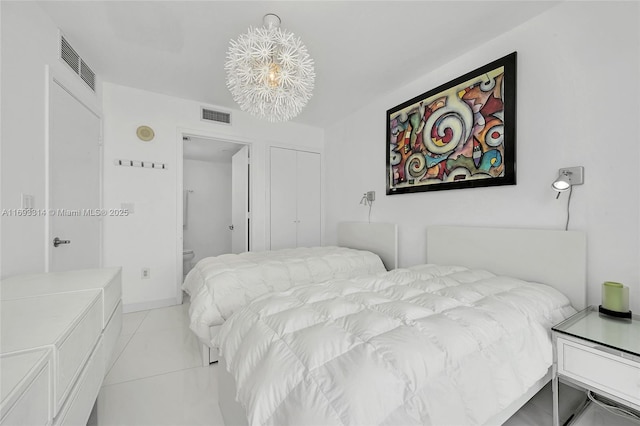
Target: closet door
<point>283,198</point>
<point>308,195</point>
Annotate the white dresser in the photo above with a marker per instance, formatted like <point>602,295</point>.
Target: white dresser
<point>58,331</point>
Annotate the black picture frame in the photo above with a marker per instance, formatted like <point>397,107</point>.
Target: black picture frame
<point>472,140</point>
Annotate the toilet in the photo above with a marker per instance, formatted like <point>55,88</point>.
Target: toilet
<point>187,257</point>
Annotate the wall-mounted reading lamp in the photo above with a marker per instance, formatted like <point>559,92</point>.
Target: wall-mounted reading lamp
<point>367,199</point>
<point>567,178</point>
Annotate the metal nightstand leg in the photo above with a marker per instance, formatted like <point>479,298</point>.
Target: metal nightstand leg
<point>555,395</point>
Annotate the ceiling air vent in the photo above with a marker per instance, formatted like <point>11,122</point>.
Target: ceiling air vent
<point>87,75</point>
<point>77,64</point>
<point>216,116</point>
<point>69,55</point>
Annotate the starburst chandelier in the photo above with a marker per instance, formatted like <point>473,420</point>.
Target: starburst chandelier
<point>269,71</point>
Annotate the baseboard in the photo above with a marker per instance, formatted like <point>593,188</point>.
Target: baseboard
<point>145,306</point>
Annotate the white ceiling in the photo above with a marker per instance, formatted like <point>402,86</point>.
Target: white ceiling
<point>361,49</point>
<point>209,150</point>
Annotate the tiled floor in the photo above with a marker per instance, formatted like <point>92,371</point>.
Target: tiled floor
<point>156,378</point>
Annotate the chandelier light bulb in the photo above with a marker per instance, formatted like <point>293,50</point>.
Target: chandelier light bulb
<point>269,72</point>
<point>273,78</point>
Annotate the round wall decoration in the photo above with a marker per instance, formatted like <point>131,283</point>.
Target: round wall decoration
<point>145,133</point>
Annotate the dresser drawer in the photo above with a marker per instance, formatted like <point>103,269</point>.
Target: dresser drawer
<point>600,369</point>
<point>111,334</point>
<point>75,350</point>
<point>77,408</point>
<point>112,297</point>
<point>26,388</point>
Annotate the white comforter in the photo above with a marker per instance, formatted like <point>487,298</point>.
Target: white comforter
<point>221,285</point>
<point>426,345</point>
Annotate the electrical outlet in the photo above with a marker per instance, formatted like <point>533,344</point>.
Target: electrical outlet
<point>146,273</point>
<point>371,195</point>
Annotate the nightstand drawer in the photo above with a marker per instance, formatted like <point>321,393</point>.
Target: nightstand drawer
<point>602,370</point>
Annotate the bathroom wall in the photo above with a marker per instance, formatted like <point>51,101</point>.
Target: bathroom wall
<point>209,214</point>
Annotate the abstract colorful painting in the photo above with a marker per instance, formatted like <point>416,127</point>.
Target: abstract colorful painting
<point>461,134</point>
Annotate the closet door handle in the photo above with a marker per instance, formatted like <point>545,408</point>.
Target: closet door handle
<point>231,227</point>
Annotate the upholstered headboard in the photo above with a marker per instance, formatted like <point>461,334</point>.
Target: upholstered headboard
<point>379,238</point>
<point>556,258</point>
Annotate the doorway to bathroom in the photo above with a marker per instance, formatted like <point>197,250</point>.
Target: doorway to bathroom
<point>215,202</point>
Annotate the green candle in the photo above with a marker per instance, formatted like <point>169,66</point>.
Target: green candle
<point>615,296</point>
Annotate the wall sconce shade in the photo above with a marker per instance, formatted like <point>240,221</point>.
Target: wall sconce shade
<point>568,177</point>
<point>562,183</point>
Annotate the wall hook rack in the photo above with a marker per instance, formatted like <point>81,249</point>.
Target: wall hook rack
<point>143,164</point>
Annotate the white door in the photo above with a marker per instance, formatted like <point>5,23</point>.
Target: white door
<point>74,183</point>
<point>240,200</point>
<point>283,205</point>
<point>308,191</point>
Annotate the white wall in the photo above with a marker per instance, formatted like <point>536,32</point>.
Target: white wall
<point>29,42</point>
<point>209,214</point>
<point>150,236</point>
<point>578,67</point>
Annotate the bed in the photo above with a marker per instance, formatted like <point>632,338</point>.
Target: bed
<point>219,286</point>
<point>431,344</point>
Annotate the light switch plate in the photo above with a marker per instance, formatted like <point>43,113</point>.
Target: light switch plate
<point>26,201</point>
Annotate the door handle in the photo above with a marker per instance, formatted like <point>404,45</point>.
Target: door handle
<point>57,241</point>
<point>231,227</point>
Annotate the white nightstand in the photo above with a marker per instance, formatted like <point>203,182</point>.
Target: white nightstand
<point>599,354</point>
